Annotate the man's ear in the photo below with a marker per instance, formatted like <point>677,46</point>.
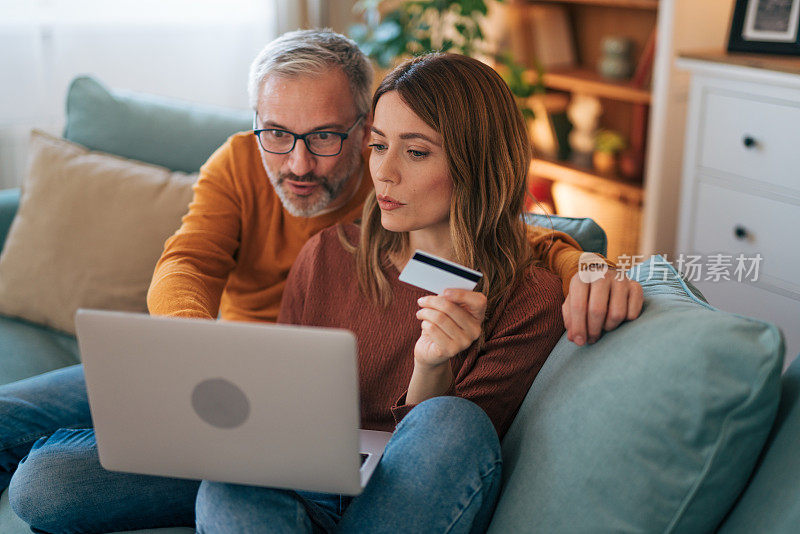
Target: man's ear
<point>367,126</point>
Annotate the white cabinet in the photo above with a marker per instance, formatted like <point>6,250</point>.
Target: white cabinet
<point>740,193</point>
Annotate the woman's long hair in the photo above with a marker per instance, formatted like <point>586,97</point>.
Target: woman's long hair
<point>488,154</point>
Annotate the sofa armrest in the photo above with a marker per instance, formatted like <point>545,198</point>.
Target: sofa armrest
<point>9,202</point>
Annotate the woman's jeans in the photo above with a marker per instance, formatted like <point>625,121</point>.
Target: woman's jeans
<point>440,473</point>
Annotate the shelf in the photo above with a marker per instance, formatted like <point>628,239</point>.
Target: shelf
<point>590,82</point>
<point>651,5</point>
<point>611,186</point>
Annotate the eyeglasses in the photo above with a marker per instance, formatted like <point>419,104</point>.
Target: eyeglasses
<point>277,141</point>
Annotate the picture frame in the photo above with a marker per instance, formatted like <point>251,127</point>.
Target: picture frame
<point>766,27</point>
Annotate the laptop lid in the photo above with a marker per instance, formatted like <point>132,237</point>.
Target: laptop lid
<point>249,403</point>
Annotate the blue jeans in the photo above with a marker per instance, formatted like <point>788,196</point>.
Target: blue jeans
<point>440,473</point>
<point>36,407</point>
<point>49,413</point>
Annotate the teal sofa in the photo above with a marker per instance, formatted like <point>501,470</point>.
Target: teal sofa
<point>679,421</point>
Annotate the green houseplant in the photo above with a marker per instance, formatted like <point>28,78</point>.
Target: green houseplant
<point>416,27</point>
<point>397,30</point>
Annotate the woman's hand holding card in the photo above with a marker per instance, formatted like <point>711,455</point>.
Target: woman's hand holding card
<point>451,322</point>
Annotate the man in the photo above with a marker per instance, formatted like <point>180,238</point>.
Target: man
<point>257,201</point>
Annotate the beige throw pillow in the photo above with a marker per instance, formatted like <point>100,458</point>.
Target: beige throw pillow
<point>89,231</point>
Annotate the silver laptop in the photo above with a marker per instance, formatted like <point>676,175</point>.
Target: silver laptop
<point>259,404</point>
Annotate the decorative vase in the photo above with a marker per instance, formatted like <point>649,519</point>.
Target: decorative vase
<point>615,62</point>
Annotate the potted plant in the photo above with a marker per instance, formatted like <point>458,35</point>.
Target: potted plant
<point>416,27</point>
<point>607,145</point>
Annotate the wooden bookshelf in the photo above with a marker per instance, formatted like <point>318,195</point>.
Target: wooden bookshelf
<point>578,190</point>
<point>587,81</point>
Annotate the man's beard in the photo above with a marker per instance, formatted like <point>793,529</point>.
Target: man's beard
<point>329,189</point>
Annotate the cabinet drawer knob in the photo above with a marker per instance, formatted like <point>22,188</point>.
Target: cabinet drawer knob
<point>741,232</point>
<point>748,141</point>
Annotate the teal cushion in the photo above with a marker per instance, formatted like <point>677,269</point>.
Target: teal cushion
<point>9,203</point>
<point>771,501</point>
<point>655,428</point>
<point>586,232</point>
<point>27,349</point>
<point>172,133</point>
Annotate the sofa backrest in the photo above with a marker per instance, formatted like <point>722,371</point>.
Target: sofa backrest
<point>585,231</point>
<point>9,202</point>
<point>173,133</point>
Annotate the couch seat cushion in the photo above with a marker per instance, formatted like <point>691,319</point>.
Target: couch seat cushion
<point>655,428</point>
<point>28,349</point>
<point>10,523</point>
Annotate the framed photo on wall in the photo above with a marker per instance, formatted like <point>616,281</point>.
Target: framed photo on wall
<point>765,26</point>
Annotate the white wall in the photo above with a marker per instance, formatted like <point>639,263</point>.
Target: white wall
<point>198,50</point>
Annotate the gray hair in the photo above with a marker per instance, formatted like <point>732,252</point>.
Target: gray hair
<point>305,52</point>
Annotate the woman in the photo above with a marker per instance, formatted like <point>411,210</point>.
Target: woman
<point>449,161</point>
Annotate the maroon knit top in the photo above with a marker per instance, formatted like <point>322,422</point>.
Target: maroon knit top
<point>322,290</point>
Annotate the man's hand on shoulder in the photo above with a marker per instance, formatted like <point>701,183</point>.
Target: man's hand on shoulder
<point>600,306</point>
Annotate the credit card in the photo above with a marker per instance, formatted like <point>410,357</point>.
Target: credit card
<point>436,274</point>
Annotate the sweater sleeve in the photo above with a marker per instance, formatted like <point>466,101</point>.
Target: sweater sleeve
<point>498,377</point>
<point>559,252</point>
<point>191,274</point>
